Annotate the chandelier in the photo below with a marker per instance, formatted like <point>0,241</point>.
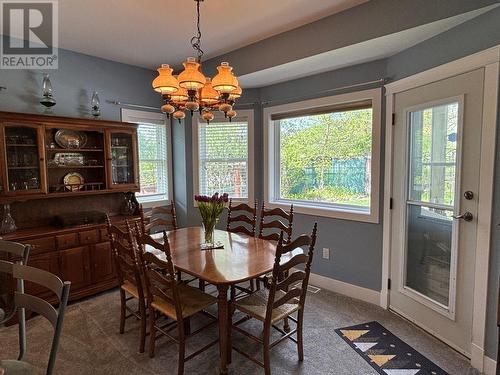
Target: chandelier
<point>192,91</point>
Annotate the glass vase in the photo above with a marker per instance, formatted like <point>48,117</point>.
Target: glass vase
<point>208,231</point>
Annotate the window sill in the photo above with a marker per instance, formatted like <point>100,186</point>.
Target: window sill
<point>339,212</point>
<point>150,202</point>
<point>235,201</point>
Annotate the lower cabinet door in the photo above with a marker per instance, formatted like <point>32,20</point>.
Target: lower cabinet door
<point>47,262</point>
<point>103,267</point>
<point>75,267</point>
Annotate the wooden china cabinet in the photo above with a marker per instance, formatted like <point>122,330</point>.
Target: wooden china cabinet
<point>53,167</point>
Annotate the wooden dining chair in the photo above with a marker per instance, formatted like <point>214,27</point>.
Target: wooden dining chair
<point>170,298</point>
<point>242,218</point>
<point>158,219</point>
<point>124,250</point>
<point>16,252</point>
<point>23,301</point>
<point>286,296</point>
<point>274,221</point>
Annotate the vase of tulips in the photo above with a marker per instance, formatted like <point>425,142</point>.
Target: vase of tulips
<point>210,210</point>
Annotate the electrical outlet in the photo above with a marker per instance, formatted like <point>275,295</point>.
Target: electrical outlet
<point>326,253</point>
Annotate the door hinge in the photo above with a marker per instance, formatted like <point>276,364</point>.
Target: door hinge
<point>391,203</point>
<point>393,119</point>
<point>388,284</point>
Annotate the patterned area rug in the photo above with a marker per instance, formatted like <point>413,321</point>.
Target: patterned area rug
<point>385,352</point>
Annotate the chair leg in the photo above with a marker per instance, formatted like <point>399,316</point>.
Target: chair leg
<point>187,326</point>
<point>179,276</point>
<point>300,338</point>
<point>152,331</point>
<point>267,359</point>
<point>142,313</point>
<point>252,284</point>
<point>202,285</point>
<point>123,304</point>
<point>286,325</point>
<point>232,294</point>
<point>182,348</point>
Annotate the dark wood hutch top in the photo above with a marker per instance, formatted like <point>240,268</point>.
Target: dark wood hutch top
<point>48,119</point>
<point>28,168</point>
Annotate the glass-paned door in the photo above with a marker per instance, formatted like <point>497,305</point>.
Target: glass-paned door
<point>23,159</point>
<point>437,147</point>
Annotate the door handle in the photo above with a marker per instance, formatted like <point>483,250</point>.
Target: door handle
<point>467,216</point>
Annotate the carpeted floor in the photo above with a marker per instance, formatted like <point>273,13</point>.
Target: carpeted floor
<point>91,343</point>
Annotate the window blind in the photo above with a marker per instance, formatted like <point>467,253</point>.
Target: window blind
<point>223,158</point>
<point>153,160</point>
<point>365,104</point>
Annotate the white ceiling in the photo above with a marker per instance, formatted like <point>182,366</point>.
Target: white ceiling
<point>150,32</point>
<point>366,51</point>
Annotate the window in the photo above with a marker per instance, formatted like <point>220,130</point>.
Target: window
<point>221,156</point>
<point>323,155</point>
<point>154,155</point>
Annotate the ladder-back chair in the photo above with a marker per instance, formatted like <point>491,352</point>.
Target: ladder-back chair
<point>13,252</point>
<point>170,298</point>
<point>158,219</point>
<point>286,296</point>
<point>273,221</point>
<point>242,218</point>
<point>129,276</point>
<point>23,301</point>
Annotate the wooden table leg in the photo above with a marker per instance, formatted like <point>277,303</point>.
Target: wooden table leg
<point>224,330</point>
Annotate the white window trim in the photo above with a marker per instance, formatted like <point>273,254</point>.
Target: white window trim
<point>135,116</point>
<point>248,114</point>
<point>271,155</point>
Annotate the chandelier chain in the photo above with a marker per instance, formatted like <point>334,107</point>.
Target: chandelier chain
<point>196,40</point>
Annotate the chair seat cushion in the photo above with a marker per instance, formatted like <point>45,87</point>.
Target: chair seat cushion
<point>192,301</point>
<point>13,367</point>
<point>255,305</point>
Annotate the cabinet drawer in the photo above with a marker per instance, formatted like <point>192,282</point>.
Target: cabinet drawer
<point>65,241</point>
<point>40,245</point>
<point>89,237</point>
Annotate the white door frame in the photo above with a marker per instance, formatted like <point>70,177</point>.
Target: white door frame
<point>490,61</point>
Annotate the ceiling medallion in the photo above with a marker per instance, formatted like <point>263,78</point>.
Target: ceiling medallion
<point>192,91</point>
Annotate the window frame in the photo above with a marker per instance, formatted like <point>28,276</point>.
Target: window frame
<point>248,115</point>
<point>138,116</point>
<point>272,157</point>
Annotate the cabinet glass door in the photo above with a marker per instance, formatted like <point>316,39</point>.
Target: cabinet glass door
<point>23,160</point>
<point>123,151</point>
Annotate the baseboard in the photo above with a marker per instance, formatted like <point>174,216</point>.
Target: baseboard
<point>350,290</point>
<point>480,361</point>
<point>490,366</point>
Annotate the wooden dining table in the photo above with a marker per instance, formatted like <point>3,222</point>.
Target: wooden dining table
<point>240,259</point>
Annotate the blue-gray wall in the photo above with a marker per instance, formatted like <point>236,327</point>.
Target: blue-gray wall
<point>73,83</point>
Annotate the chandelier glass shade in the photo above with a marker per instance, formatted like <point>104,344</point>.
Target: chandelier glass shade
<point>192,91</point>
